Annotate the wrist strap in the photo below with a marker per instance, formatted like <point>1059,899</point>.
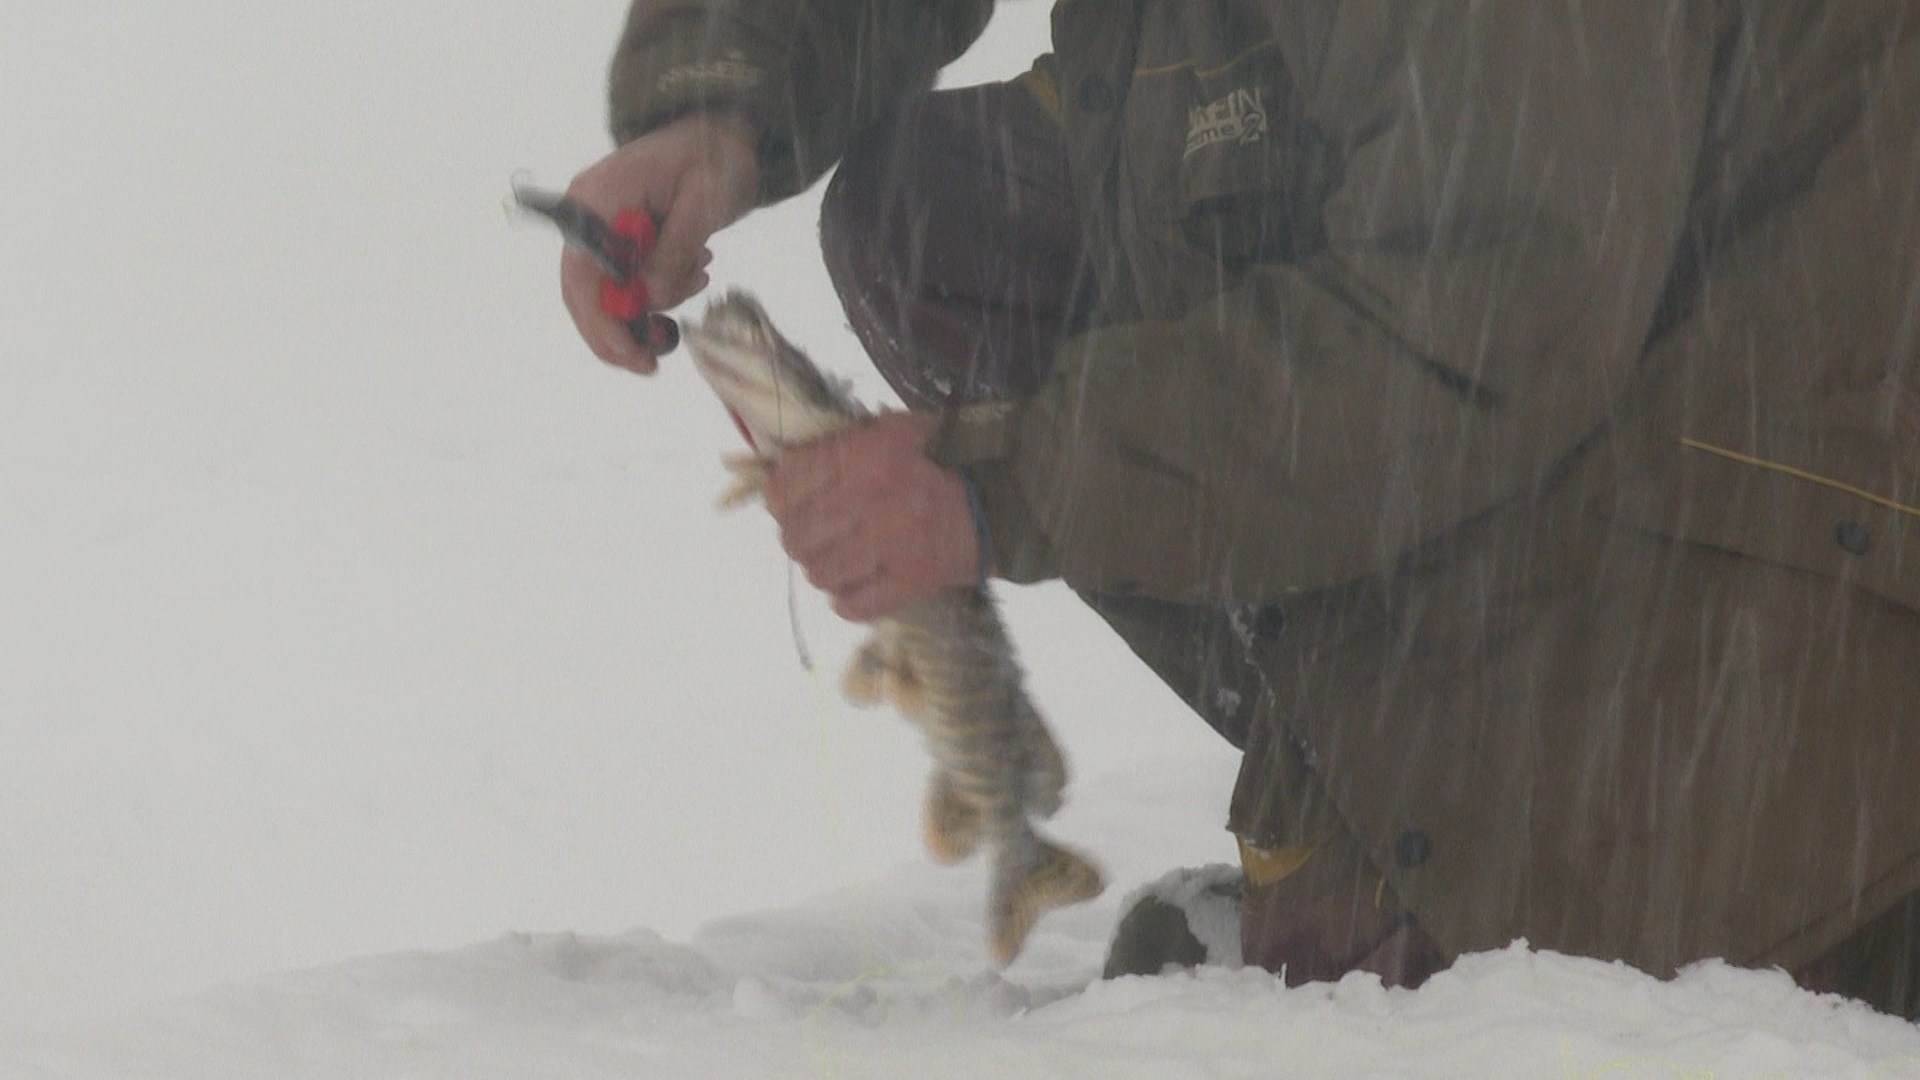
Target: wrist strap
<point>978,513</point>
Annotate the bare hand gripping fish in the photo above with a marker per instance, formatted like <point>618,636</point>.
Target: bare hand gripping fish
<point>945,662</point>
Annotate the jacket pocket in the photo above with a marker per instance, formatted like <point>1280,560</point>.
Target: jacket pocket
<point>1835,494</point>
<point>1219,151</point>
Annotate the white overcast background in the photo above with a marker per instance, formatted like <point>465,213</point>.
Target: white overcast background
<point>347,603</point>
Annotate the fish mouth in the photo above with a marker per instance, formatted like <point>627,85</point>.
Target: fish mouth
<point>746,433</point>
<point>724,380</point>
<point>706,356</point>
<point>736,320</point>
<point>732,366</point>
<point>767,384</point>
<point>725,347</point>
<point>728,339</point>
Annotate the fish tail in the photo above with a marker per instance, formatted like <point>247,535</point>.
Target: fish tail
<point>1050,876</point>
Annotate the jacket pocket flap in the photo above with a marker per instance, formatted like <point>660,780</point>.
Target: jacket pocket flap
<point>1807,509</point>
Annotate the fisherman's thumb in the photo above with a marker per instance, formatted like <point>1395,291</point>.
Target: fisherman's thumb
<point>673,272</point>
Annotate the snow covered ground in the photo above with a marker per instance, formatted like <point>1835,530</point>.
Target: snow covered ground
<point>886,978</point>
<point>349,609</point>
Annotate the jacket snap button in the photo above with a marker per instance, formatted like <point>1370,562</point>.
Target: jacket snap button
<point>1854,537</point>
<point>1096,94</point>
<point>1411,848</point>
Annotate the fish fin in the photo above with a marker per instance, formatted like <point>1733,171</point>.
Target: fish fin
<point>878,672</point>
<point>1054,877</point>
<point>950,825</point>
<point>864,681</point>
<point>905,688</point>
<point>1046,769</point>
<point>750,474</point>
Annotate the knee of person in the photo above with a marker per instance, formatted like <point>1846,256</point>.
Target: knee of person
<point>840,220</point>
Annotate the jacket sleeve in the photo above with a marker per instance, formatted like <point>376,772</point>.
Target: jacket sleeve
<point>1485,290</point>
<point>810,72</point>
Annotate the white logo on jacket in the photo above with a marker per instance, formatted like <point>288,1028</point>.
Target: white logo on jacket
<point>1240,116</point>
<point>731,73</point>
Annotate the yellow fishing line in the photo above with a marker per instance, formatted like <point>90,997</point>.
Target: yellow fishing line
<point>1801,474</point>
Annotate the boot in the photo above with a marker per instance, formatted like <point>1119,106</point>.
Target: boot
<point>1315,912</point>
<point>1187,918</point>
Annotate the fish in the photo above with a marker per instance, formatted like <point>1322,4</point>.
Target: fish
<point>946,662</point>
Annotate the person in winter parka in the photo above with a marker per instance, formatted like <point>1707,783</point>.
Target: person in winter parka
<point>1500,420</point>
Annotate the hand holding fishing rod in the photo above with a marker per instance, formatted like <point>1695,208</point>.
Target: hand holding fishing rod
<point>684,182</point>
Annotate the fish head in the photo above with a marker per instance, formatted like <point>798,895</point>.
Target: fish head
<point>775,394</point>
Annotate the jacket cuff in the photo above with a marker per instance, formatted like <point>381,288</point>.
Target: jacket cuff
<point>979,441</point>
<point>1021,552</point>
<point>689,61</point>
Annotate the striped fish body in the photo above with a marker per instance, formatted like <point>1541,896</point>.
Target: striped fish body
<point>946,663</point>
